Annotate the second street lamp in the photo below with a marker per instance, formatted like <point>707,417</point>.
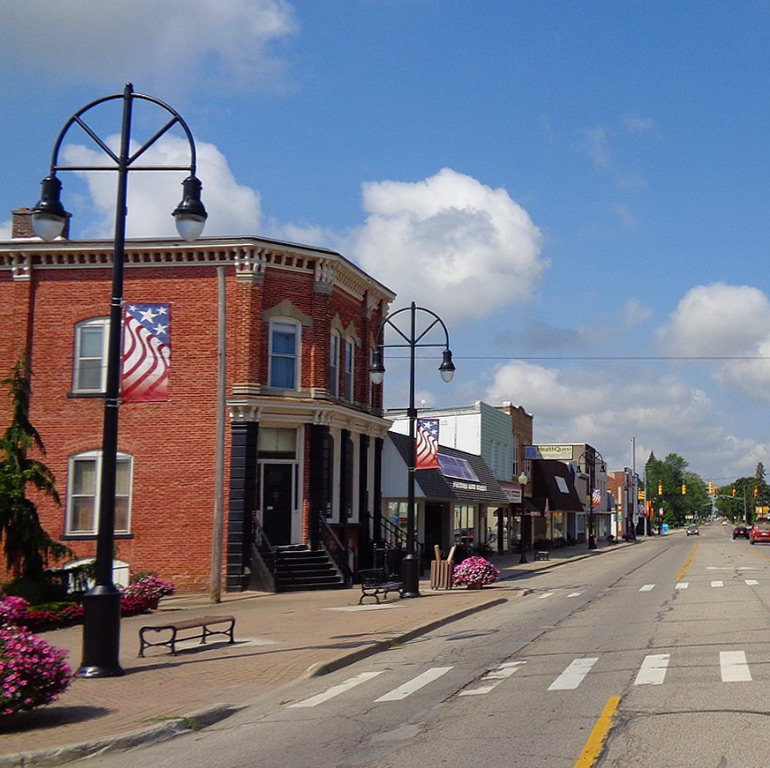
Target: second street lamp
<point>412,338</point>
<point>101,625</point>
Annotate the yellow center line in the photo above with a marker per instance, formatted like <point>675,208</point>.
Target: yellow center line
<point>688,562</point>
<point>595,743</point>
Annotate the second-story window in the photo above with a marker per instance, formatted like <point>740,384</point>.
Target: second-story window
<point>284,354</point>
<point>90,364</point>
<point>334,365</point>
<point>350,349</point>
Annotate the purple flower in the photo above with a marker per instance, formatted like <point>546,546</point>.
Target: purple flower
<point>474,570</point>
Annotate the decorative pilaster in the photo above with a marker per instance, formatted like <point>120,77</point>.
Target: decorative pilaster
<point>243,503</point>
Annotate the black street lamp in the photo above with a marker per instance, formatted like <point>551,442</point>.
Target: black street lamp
<point>591,455</point>
<point>523,480</point>
<point>412,339</point>
<point>101,625</point>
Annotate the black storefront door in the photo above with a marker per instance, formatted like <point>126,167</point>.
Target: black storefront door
<point>277,481</point>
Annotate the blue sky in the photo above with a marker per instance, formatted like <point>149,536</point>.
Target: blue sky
<point>580,189</point>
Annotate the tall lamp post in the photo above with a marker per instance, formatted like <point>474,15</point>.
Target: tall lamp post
<point>523,480</point>
<point>101,626</point>
<point>591,455</point>
<point>412,338</point>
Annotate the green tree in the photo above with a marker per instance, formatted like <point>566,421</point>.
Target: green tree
<point>26,545</point>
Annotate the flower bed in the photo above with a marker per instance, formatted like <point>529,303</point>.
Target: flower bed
<point>474,572</point>
<point>32,672</point>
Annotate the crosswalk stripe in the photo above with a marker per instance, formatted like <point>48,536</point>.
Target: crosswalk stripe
<point>575,594</point>
<point>653,669</point>
<point>336,690</point>
<point>503,672</point>
<point>573,675</point>
<point>682,585</point>
<point>407,689</point>
<point>752,582</point>
<point>544,595</point>
<point>647,588</point>
<point>734,667</point>
<point>717,584</point>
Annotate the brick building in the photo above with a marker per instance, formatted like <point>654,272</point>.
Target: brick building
<point>305,428</point>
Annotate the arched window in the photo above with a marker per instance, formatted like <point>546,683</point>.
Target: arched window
<point>83,488</point>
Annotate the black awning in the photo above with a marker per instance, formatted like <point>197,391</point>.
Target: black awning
<point>552,480</point>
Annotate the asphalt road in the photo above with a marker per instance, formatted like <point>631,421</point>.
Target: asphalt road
<point>665,646</point>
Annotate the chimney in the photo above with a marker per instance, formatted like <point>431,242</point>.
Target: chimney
<point>21,227</point>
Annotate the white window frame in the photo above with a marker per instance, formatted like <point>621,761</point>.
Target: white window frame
<point>96,322</point>
<point>349,362</point>
<point>285,321</point>
<point>334,364</point>
<point>96,458</point>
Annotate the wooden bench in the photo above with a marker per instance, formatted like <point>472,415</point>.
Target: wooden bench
<point>543,554</point>
<point>375,582</point>
<point>175,627</point>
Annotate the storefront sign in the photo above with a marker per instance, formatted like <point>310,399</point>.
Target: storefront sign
<point>461,486</point>
<point>547,452</point>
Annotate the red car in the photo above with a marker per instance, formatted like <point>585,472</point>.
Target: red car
<point>742,531</point>
<point>760,531</point>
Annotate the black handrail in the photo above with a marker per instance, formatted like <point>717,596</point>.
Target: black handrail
<point>394,537</point>
<point>337,551</point>
<point>263,548</point>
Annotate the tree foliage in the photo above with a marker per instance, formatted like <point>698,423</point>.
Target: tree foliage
<point>26,545</point>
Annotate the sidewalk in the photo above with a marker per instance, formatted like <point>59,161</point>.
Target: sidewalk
<point>279,639</point>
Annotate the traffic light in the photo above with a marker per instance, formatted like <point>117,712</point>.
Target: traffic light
<point>711,488</point>
<point>641,494</point>
<point>684,488</point>
<point>733,491</point>
<point>756,492</point>
<point>660,489</point>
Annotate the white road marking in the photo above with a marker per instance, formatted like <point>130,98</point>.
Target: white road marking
<point>503,672</point>
<point>544,595</point>
<point>407,689</point>
<point>336,690</point>
<point>717,584</point>
<point>752,582</point>
<point>573,675</point>
<point>647,588</point>
<point>575,594</point>
<point>682,585</point>
<point>734,667</point>
<point>653,669</point>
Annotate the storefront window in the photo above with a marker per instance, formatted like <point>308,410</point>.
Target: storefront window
<point>464,524</point>
<point>559,525</point>
<point>397,517</point>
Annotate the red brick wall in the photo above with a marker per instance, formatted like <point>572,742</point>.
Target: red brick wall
<point>173,443</point>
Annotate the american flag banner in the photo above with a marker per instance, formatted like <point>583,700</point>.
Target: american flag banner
<point>596,498</point>
<point>146,353</point>
<point>427,444</point>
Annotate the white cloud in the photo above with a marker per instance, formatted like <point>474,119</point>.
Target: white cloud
<point>717,319</point>
<point>596,146</point>
<point>233,209</point>
<point>176,43</point>
<point>624,215</point>
<point>464,248</point>
<point>635,313</point>
<point>639,126</point>
<point>662,412</point>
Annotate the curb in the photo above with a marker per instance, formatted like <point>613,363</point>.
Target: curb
<point>169,729</point>
<point>324,668</point>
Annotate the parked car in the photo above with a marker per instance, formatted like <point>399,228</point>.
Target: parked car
<point>692,530</point>
<point>740,531</point>
<point>760,531</point>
